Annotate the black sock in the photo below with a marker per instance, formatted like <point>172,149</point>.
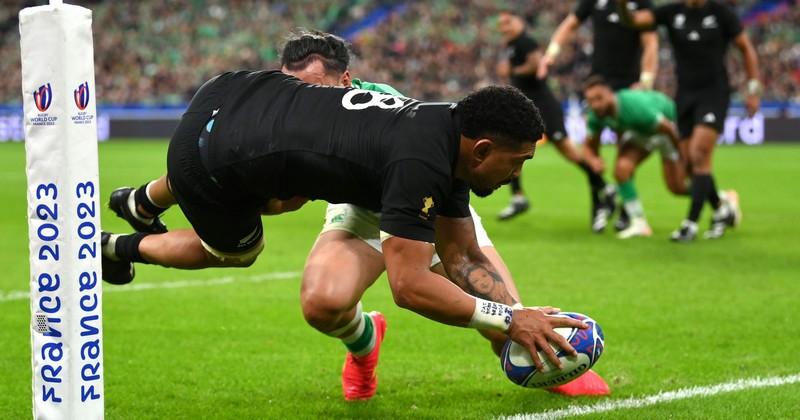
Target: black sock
<point>127,247</point>
<point>141,200</point>
<point>596,183</point>
<point>701,186</point>
<point>595,180</point>
<point>713,195</point>
<point>516,186</point>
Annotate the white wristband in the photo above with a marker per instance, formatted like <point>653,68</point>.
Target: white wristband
<point>753,87</point>
<point>646,79</point>
<point>552,50</point>
<point>490,315</point>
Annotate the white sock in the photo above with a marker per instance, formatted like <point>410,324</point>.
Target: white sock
<point>519,199</point>
<point>109,250</point>
<point>634,208</point>
<point>150,197</point>
<point>362,341</point>
<point>722,211</point>
<point>134,211</point>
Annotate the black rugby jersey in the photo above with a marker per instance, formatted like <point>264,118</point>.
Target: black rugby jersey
<point>518,50</point>
<point>700,37</point>
<point>275,136</point>
<point>617,48</point>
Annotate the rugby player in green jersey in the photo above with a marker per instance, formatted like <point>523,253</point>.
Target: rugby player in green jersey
<point>644,122</point>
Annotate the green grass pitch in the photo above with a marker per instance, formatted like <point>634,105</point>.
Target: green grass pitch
<point>674,315</point>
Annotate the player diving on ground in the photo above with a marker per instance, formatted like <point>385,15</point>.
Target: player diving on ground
<point>249,138</point>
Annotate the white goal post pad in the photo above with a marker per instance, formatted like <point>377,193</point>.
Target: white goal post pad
<point>63,211</point>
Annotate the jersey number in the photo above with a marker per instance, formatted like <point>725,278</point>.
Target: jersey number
<point>366,99</point>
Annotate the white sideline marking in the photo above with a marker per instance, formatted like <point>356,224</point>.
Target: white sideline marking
<point>178,284</point>
<point>661,397</point>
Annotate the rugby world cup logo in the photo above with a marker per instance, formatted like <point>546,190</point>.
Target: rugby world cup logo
<point>43,97</point>
<point>82,96</point>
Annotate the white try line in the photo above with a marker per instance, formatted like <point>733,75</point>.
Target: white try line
<point>178,284</point>
<point>661,397</point>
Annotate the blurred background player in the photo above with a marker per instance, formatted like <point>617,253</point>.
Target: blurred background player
<point>522,60</point>
<point>644,121</point>
<point>623,56</point>
<point>700,32</point>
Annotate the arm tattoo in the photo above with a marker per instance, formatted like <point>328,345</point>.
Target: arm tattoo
<point>481,280</point>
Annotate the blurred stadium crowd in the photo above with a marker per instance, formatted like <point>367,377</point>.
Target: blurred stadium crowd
<point>159,52</point>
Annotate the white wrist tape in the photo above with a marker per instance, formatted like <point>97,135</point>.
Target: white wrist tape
<point>753,87</point>
<point>490,315</point>
<point>552,50</point>
<point>646,79</point>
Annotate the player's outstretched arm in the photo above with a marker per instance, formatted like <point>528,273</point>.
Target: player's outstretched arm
<point>753,89</point>
<point>466,264</point>
<point>647,77</point>
<point>563,34</point>
<point>640,19</point>
<point>668,127</point>
<point>591,153</point>
<point>418,289</point>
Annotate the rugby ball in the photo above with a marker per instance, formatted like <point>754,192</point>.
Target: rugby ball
<point>517,363</point>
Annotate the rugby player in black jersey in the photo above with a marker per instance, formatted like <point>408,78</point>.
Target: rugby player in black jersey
<point>249,137</point>
<point>520,64</point>
<point>624,57</point>
<point>700,32</point>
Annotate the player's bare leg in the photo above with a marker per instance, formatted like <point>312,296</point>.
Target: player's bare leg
<point>178,249</point>
<point>675,176</point>
<point>700,150</point>
<point>628,159</point>
<point>339,269</point>
<point>602,195</point>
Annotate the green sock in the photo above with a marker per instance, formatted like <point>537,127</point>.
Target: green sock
<point>362,340</point>
<point>630,199</point>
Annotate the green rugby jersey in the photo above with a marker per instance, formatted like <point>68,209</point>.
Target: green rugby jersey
<point>376,87</point>
<point>637,110</point>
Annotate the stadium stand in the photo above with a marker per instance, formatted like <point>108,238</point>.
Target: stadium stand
<point>427,49</point>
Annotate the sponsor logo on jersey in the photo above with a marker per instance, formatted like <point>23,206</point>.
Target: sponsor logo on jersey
<point>710,118</point>
<point>709,22</point>
<point>601,4</point>
<point>427,204</point>
<point>693,36</point>
<point>250,238</point>
<point>679,21</point>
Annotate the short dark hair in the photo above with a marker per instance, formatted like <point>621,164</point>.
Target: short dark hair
<point>527,18</point>
<point>500,113</point>
<point>304,47</point>
<point>594,80</point>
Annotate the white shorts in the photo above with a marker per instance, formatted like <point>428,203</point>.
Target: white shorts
<point>660,142</point>
<point>365,225</point>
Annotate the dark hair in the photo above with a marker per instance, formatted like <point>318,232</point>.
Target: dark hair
<point>304,47</point>
<point>594,80</point>
<point>527,18</point>
<point>500,113</point>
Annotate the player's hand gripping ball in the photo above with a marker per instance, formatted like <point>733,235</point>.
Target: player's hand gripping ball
<point>517,363</point>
